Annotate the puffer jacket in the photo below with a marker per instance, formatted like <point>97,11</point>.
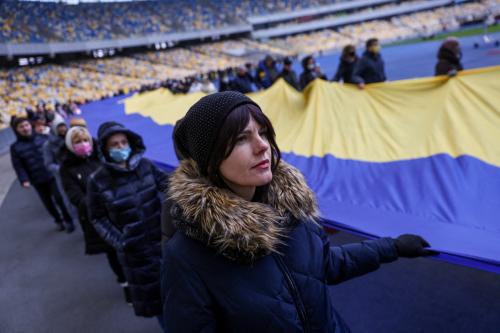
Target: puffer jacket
<point>75,172</point>
<point>51,152</point>
<point>240,266</point>
<point>27,159</point>
<point>124,207</point>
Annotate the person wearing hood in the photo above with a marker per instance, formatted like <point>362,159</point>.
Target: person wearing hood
<point>370,68</point>
<point>27,159</point>
<point>449,56</point>
<point>52,158</point>
<point>124,198</point>
<point>289,75</point>
<point>348,60</point>
<point>248,253</point>
<point>80,159</point>
<point>311,71</point>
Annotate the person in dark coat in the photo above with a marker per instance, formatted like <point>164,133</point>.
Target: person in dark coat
<point>248,254</point>
<point>27,159</point>
<point>124,204</point>
<point>311,71</point>
<point>54,144</point>
<point>242,82</point>
<point>268,72</point>
<point>449,56</point>
<point>289,75</point>
<point>370,68</point>
<point>79,160</point>
<point>348,60</point>
<point>51,156</point>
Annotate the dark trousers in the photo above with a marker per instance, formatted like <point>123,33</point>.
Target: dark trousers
<point>116,266</point>
<point>53,202</point>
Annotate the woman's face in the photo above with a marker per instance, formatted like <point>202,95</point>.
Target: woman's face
<point>79,138</point>
<point>249,164</point>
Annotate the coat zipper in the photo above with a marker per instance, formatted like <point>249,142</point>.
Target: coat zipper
<point>295,293</point>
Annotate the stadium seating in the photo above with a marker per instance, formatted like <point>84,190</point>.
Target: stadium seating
<point>27,22</point>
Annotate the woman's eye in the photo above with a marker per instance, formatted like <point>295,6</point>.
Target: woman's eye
<point>263,134</point>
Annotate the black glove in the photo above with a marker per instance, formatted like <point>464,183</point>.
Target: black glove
<point>412,246</point>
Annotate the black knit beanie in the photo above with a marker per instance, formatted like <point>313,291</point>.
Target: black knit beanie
<point>195,134</point>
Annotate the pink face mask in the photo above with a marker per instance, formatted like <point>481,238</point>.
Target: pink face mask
<point>83,149</point>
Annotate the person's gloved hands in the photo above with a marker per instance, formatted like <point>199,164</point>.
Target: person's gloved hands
<point>412,246</point>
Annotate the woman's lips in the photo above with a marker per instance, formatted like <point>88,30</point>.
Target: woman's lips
<point>262,165</point>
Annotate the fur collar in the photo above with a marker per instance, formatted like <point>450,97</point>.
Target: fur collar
<point>238,229</point>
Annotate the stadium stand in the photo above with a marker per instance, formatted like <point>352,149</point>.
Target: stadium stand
<point>24,22</point>
<point>93,79</point>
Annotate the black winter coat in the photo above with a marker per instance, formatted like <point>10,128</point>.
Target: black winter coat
<point>344,71</point>
<point>291,78</point>
<point>27,159</point>
<point>448,61</point>
<point>239,266</point>
<point>124,206</point>
<point>369,69</point>
<point>242,84</point>
<point>306,77</point>
<point>75,172</point>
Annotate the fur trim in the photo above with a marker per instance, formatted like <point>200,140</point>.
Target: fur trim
<point>237,228</point>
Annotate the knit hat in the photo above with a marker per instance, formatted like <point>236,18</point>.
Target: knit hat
<point>77,122</point>
<point>58,120</point>
<point>69,136</point>
<point>195,134</point>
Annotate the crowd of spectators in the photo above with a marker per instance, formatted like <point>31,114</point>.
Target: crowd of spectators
<point>23,22</point>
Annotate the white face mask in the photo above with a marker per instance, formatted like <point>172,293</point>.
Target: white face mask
<point>46,130</point>
<point>311,67</point>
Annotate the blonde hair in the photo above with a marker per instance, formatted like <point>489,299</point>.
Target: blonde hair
<point>80,132</point>
<point>74,132</point>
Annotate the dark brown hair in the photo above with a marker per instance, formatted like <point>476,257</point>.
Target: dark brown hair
<point>371,41</point>
<point>234,124</point>
<point>348,51</point>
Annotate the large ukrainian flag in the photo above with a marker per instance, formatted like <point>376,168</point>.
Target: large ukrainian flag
<point>416,156</point>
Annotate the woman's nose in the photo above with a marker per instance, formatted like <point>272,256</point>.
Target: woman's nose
<point>261,145</point>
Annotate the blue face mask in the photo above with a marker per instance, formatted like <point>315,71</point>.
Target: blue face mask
<point>120,155</point>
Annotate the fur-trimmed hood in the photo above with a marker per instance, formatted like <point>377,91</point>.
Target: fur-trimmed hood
<point>239,229</point>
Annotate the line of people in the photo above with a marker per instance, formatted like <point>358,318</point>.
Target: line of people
<point>367,69</point>
<point>360,71</point>
<point>117,194</point>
